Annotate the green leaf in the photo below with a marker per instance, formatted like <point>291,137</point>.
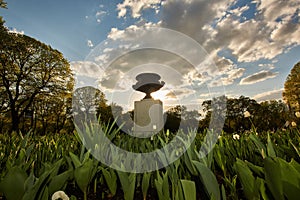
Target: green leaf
<point>256,169</point>
<point>128,184</point>
<point>291,191</point>
<point>270,149</point>
<point>208,179</point>
<point>58,182</point>
<point>189,189</point>
<point>262,188</point>
<point>83,174</point>
<point>44,195</point>
<point>261,147</point>
<point>145,184</point>
<point>247,179</point>
<point>75,159</point>
<point>41,183</point>
<point>273,177</point>
<point>162,186</point>
<point>13,184</point>
<point>111,180</point>
<point>29,182</point>
<point>223,192</point>
<point>295,165</point>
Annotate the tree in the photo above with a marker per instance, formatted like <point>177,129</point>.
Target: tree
<point>179,117</point>
<point>3,4</point>
<point>271,115</point>
<point>235,109</point>
<point>51,114</point>
<point>89,102</point>
<point>291,93</point>
<point>29,70</point>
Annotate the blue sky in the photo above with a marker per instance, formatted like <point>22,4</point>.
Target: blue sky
<point>253,44</point>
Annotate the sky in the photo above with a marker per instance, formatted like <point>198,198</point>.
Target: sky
<point>200,48</point>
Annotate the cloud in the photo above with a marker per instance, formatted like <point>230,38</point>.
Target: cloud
<point>179,93</point>
<point>90,43</point>
<point>232,76</point>
<point>216,26</point>
<point>258,77</point>
<point>271,95</point>
<point>15,31</point>
<point>99,15</point>
<point>136,6</point>
<point>139,49</point>
<point>219,25</point>
<point>267,66</point>
<point>86,68</point>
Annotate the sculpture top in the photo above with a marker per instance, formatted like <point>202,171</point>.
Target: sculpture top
<point>148,83</point>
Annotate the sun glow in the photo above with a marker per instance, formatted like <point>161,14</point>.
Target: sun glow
<point>160,94</point>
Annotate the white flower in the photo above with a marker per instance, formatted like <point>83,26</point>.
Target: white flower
<point>293,124</point>
<point>247,114</point>
<point>236,137</point>
<point>59,195</point>
<point>297,114</point>
<point>219,136</point>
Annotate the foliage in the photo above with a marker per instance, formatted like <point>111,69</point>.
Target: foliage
<point>291,92</point>
<point>3,4</point>
<point>179,117</point>
<point>33,77</point>
<point>263,166</point>
<point>236,121</point>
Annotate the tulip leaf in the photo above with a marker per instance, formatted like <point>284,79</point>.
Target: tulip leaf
<point>111,180</point>
<point>189,189</point>
<point>13,184</point>
<point>208,179</point>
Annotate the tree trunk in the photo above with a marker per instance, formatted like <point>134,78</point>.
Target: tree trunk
<point>15,121</point>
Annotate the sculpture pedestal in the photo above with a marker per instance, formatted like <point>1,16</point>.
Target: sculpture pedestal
<point>148,117</point>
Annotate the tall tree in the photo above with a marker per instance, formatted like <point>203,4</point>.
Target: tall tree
<point>291,94</point>
<point>28,69</point>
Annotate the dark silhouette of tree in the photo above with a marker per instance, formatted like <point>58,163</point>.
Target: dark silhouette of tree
<point>268,115</point>
<point>291,93</point>
<point>29,70</point>
<point>271,115</point>
<point>179,117</point>
<point>173,119</point>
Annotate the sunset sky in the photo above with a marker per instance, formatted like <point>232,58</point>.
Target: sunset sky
<point>252,44</point>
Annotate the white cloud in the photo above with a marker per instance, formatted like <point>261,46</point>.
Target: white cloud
<point>258,77</point>
<point>99,15</point>
<point>232,76</point>
<point>216,27</point>
<point>90,43</point>
<point>179,93</point>
<point>14,30</point>
<point>86,68</point>
<point>267,66</point>
<point>270,95</point>
<point>136,6</point>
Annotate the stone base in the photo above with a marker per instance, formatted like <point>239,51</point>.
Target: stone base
<point>148,117</point>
